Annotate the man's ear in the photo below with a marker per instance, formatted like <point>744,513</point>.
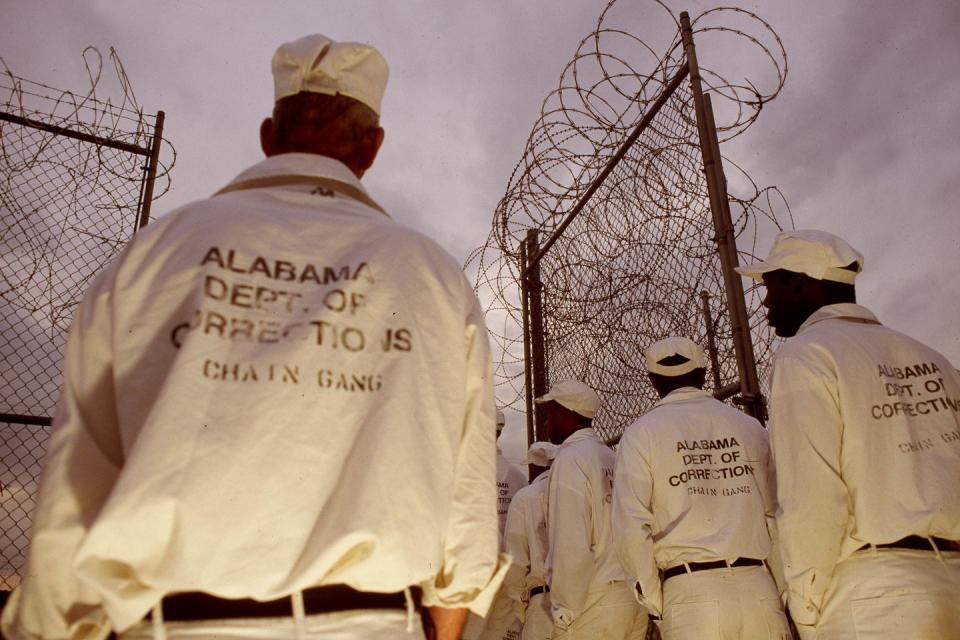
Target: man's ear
<point>267,138</point>
<point>368,148</point>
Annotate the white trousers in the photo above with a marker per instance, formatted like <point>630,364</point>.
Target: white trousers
<point>501,622</point>
<point>739,603</point>
<point>342,625</point>
<point>611,613</point>
<point>537,623</point>
<point>892,594</point>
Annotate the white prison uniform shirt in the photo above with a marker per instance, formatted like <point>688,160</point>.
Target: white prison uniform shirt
<point>525,538</point>
<point>865,435</point>
<point>509,480</point>
<point>275,388</point>
<point>693,483</point>
<point>580,557</point>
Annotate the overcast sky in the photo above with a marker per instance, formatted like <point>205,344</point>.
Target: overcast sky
<point>863,140</point>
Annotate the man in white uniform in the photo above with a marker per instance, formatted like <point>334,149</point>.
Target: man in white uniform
<point>509,478</point>
<point>692,494</point>
<point>499,618</point>
<point>590,599</point>
<point>277,413</point>
<point>865,435</point>
<point>525,538</point>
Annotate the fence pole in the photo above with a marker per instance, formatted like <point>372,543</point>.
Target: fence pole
<point>527,359</point>
<point>711,339</point>
<point>538,361</point>
<point>151,171</point>
<point>723,226</point>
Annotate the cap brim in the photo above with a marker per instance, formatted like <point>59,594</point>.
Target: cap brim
<point>756,270</point>
<point>544,398</point>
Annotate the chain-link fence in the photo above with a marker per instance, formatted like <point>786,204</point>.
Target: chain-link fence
<point>77,176</point>
<point>614,184</point>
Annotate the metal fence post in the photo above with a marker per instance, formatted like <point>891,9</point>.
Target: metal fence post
<point>723,226</point>
<point>146,197</point>
<point>538,361</point>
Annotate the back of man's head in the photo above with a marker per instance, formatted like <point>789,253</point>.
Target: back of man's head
<point>327,101</point>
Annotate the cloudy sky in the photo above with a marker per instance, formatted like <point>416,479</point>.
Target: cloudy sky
<point>862,140</point>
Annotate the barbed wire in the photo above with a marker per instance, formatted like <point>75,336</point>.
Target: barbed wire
<point>58,193</point>
<point>631,267</point>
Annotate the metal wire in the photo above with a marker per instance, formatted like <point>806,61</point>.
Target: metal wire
<point>630,267</point>
<point>72,172</point>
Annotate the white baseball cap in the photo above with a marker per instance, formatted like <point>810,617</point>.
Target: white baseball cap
<point>573,395</point>
<point>541,454</point>
<point>317,64</point>
<point>818,254</point>
<point>674,346</point>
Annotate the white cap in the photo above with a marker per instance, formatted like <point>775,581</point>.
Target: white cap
<point>573,395</point>
<point>668,347</point>
<point>501,420</point>
<point>818,254</point>
<point>317,64</point>
<point>541,454</point>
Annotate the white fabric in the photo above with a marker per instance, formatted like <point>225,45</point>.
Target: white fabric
<point>865,433</point>
<point>740,603</point>
<point>818,254</point>
<point>675,346</point>
<point>537,623</point>
<point>345,625</point>
<point>693,483</point>
<point>317,64</point>
<point>893,593</point>
<point>574,395</point>
<point>581,559</point>
<point>246,412</point>
<point>525,540</point>
<point>541,454</point>
<point>509,480</point>
<point>610,613</point>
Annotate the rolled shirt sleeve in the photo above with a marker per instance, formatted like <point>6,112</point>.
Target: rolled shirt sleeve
<point>633,518</point>
<point>570,532</point>
<point>472,568</point>
<point>805,437</point>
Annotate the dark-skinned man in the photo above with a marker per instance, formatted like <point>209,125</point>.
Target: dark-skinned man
<point>590,599</point>
<point>865,436</point>
<point>277,418</point>
<point>693,495</point>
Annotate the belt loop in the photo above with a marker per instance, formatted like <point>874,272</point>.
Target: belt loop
<point>299,615</point>
<point>729,565</point>
<point>686,566</point>
<point>873,548</point>
<point>411,609</point>
<point>159,628</point>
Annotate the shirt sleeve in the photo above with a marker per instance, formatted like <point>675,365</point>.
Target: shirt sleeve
<point>768,491</point>
<point>517,546</point>
<point>84,457</point>
<point>633,518</point>
<point>472,568</point>
<point>805,438</point>
<point>569,530</point>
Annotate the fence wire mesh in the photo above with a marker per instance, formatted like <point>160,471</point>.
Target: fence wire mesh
<point>73,180</point>
<point>632,267</point>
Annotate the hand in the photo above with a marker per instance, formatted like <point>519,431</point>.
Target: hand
<point>445,624</point>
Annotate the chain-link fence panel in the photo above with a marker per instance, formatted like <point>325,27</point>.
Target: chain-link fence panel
<point>639,260</point>
<point>77,174</point>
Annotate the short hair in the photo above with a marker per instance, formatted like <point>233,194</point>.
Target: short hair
<point>335,123</point>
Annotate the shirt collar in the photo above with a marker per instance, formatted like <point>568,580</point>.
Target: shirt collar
<point>306,168</point>
<point>587,433</point>
<point>683,393</point>
<point>843,311</point>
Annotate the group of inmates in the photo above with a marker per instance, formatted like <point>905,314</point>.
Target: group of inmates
<point>236,454</point>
